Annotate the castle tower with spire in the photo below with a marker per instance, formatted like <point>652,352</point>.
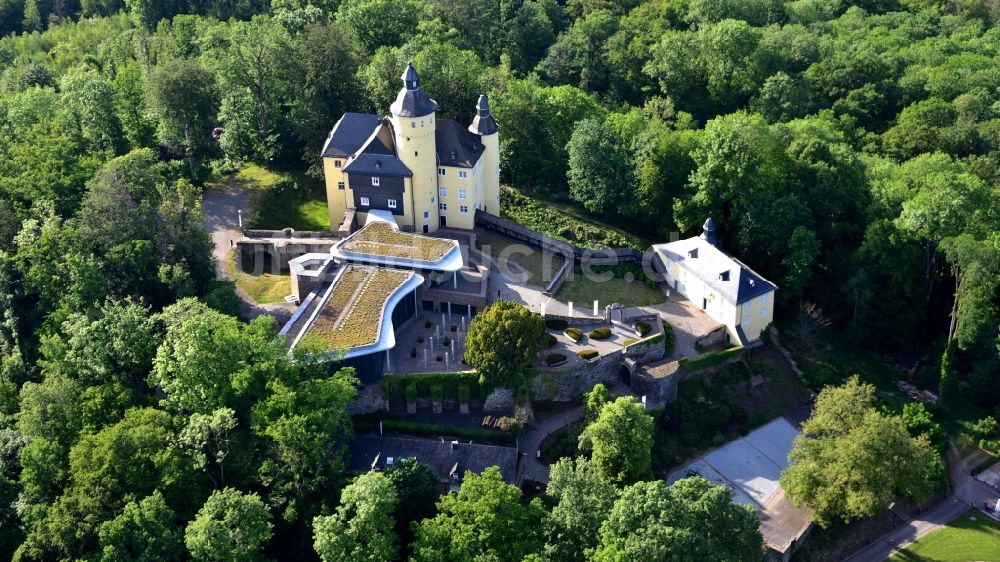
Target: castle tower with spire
<point>425,172</point>
<point>486,127</point>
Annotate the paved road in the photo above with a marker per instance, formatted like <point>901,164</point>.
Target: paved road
<point>221,208</point>
<point>532,440</point>
<point>968,493</point>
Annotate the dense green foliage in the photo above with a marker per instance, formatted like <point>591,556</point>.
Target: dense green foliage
<point>502,342</point>
<point>848,150</point>
<point>851,460</point>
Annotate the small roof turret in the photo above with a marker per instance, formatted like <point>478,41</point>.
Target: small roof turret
<point>411,81</point>
<point>412,100</point>
<point>483,123</point>
<point>708,234</point>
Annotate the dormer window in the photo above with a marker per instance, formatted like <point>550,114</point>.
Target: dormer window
<point>375,180</point>
<point>693,254</point>
<point>724,276</point>
<point>337,164</point>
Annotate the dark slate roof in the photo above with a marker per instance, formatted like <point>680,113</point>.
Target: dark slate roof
<point>455,145</point>
<point>377,165</point>
<point>377,159</point>
<point>708,263</point>
<point>440,455</point>
<point>483,123</point>
<point>412,100</point>
<point>350,134</point>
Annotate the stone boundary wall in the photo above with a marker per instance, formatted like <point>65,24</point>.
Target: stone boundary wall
<point>565,385</point>
<point>594,256</point>
<point>290,233</point>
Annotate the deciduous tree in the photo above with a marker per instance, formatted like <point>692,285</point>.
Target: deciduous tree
<point>502,342</point>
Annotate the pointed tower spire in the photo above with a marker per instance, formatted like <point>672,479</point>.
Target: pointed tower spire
<point>483,123</point>
<point>412,100</point>
<point>708,234</point>
<point>411,81</point>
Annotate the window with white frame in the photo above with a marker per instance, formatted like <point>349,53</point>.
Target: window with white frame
<point>463,209</point>
<point>763,299</point>
<point>392,203</point>
<point>375,180</point>
<point>336,163</point>
<point>463,174</point>
<point>443,206</point>
<point>413,124</point>
<point>340,185</point>
<point>461,194</point>
<point>746,319</point>
<point>763,313</point>
<point>441,171</point>
<point>443,191</point>
<point>365,202</point>
<point>427,214</point>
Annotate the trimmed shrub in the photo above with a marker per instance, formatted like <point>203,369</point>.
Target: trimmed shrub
<point>420,339</point>
<point>575,334</point>
<point>428,323</point>
<point>440,357</point>
<point>642,329</point>
<point>454,327</point>
<point>588,354</point>
<point>554,359</point>
<point>445,431</point>
<point>549,340</point>
<point>413,352</point>
<point>629,342</point>
<point>411,392</point>
<point>600,333</point>
<point>396,385</point>
<point>446,341</point>
<point>556,324</point>
<point>668,340</point>
<point>463,394</point>
<point>437,393</point>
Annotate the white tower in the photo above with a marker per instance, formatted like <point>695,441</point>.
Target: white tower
<point>486,127</point>
<point>413,115</point>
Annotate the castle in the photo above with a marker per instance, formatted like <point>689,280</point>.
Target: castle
<point>427,172</point>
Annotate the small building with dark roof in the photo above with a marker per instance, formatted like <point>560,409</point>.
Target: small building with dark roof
<point>721,285</point>
<point>428,172</point>
<point>450,460</point>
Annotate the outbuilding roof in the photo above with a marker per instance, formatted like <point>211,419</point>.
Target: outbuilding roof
<point>728,276</point>
<point>372,452</point>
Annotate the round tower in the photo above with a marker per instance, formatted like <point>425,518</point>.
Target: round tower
<point>486,127</point>
<point>413,116</point>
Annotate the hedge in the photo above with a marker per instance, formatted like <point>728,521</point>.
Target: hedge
<point>588,354</point>
<point>556,324</point>
<point>437,430</point>
<point>668,340</point>
<point>600,333</point>
<point>396,385</point>
<point>642,328</point>
<point>554,359</point>
<point>549,340</point>
<point>709,359</point>
<point>575,334</point>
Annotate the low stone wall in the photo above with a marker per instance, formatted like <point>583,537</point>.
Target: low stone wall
<point>500,401</point>
<point>582,320</point>
<point>714,337</point>
<point>369,400</point>
<point>563,385</point>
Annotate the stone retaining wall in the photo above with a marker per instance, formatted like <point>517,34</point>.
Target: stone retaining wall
<point>563,385</point>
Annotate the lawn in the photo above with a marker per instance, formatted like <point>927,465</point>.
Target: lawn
<point>973,536</point>
<point>264,288</point>
<point>620,289</point>
<point>301,205</point>
<point>540,266</point>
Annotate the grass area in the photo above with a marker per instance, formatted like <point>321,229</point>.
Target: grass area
<point>540,266</point>
<point>973,536</point>
<point>263,289</point>
<point>299,202</point>
<point>547,218</point>
<point>620,289</point>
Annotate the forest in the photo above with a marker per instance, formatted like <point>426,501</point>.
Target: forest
<point>848,149</point>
